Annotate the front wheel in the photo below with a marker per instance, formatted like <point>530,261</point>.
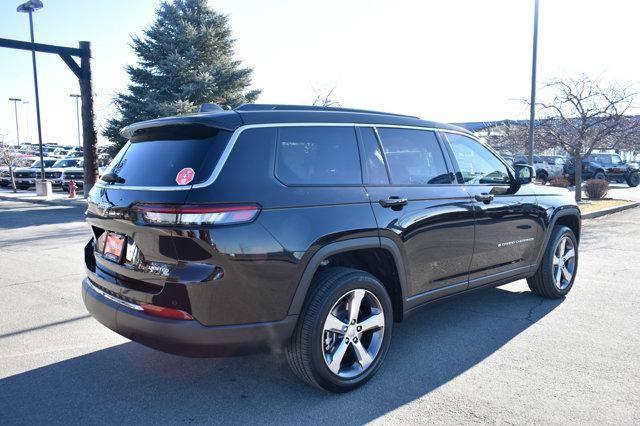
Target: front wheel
<point>542,176</point>
<point>557,271</point>
<point>634,179</point>
<point>344,331</point>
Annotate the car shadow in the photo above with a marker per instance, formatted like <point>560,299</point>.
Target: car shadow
<point>40,214</point>
<point>130,383</point>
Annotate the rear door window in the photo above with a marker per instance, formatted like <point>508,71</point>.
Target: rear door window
<point>155,158</point>
<point>414,157</point>
<point>318,155</point>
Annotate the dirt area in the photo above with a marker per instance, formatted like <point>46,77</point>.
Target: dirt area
<point>594,205</point>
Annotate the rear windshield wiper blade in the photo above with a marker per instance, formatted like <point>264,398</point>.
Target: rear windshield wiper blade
<point>112,178</point>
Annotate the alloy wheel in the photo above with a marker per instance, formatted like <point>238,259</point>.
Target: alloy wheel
<point>564,263</point>
<point>353,333</point>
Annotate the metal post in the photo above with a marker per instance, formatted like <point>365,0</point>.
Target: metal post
<point>532,112</point>
<point>35,82</point>
<point>26,109</point>
<point>78,117</point>
<point>15,110</point>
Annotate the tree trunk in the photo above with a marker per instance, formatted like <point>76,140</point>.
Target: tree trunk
<point>13,179</point>
<point>577,160</point>
<point>89,135</point>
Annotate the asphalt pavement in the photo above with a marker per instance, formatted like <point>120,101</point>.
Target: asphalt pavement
<point>494,356</point>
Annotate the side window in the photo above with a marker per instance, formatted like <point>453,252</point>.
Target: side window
<point>414,157</point>
<point>375,172</point>
<point>318,156</point>
<point>477,164</point>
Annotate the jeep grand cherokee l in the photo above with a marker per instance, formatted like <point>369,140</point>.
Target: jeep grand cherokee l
<point>606,166</point>
<point>310,230</point>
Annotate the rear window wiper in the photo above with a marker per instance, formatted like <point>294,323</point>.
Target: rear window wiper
<point>112,178</point>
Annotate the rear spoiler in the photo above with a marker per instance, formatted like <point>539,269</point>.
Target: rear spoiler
<point>225,120</point>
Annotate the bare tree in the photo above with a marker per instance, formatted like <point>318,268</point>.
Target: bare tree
<point>325,98</point>
<point>8,156</point>
<point>508,137</point>
<point>581,115</point>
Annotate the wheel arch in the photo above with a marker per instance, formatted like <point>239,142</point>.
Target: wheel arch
<point>380,257</point>
<point>568,216</point>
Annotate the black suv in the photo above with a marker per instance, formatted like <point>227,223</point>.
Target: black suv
<point>606,166</point>
<point>310,230</point>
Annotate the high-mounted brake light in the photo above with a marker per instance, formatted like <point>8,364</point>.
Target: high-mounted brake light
<point>197,214</point>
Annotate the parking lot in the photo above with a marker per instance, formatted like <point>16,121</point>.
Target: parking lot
<point>498,355</point>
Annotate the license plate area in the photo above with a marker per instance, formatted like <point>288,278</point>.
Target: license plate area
<point>114,247</point>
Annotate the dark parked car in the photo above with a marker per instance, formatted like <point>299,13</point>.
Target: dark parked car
<point>606,166</point>
<point>310,230</point>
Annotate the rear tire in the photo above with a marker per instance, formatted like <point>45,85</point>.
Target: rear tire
<point>557,271</point>
<point>634,179</point>
<point>343,360</point>
<point>600,175</point>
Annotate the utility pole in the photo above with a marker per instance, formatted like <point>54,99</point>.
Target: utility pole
<point>77,117</point>
<point>532,112</point>
<point>15,110</point>
<point>26,114</point>
<point>83,72</point>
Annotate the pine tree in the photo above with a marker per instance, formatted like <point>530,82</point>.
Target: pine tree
<point>185,58</point>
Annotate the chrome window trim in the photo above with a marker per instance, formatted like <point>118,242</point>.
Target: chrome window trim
<point>236,134</point>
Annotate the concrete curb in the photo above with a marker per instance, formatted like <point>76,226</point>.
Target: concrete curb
<point>60,202</point>
<point>592,215</point>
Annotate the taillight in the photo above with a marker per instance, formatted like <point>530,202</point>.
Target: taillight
<point>161,311</point>
<point>197,214</point>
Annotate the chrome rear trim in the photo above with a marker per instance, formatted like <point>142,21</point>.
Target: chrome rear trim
<point>114,299</point>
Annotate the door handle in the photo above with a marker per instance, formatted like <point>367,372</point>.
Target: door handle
<point>393,201</point>
<point>484,197</point>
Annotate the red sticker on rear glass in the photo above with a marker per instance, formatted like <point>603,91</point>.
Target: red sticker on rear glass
<point>185,176</point>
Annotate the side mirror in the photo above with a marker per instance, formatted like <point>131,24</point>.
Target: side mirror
<point>524,173</point>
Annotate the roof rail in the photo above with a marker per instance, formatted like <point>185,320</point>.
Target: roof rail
<point>285,107</point>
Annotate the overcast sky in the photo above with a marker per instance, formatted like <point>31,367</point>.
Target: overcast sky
<point>447,61</point>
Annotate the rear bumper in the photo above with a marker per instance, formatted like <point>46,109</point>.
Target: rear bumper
<point>188,338</point>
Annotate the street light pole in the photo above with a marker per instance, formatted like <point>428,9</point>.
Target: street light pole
<point>29,7</point>
<point>532,112</point>
<point>77,117</point>
<point>15,110</point>
<point>26,113</point>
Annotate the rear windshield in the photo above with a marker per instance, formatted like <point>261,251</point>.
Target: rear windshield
<point>66,163</point>
<point>47,163</point>
<point>156,159</point>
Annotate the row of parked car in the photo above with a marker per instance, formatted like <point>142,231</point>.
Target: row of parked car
<point>609,167</point>
<point>50,150</point>
<point>60,171</point>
